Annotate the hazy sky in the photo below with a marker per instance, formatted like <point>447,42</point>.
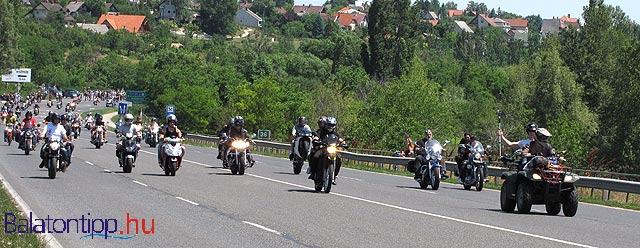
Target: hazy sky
<point>546,8</point>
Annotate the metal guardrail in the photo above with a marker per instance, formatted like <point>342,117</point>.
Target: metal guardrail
<point>588,182</point>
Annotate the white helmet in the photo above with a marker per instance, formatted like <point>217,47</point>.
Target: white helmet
<point>128,118</point>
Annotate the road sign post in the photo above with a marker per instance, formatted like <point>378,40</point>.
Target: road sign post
<point>264,134</point>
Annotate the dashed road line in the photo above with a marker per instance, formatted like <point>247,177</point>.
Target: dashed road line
<point>192,202</point>
<point>89,163</point>
<point>140,183</point>
<point>262,227</point>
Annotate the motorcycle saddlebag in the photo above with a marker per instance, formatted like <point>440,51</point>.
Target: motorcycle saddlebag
<point>411,166</point>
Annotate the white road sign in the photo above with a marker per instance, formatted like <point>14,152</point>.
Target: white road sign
<point>22,75</point>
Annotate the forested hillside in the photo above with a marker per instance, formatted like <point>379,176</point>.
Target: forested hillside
<point>400,75</point>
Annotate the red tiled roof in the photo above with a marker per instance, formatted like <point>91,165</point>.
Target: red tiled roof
<point>488,20</point>
<point>433,22</point>
<point>307,9</point>
<point>132,23</point>
<point>245,5</point>
<point>346,19</point>
<point>455,12</point>
<point>568,19</point>
<point>517,22</point>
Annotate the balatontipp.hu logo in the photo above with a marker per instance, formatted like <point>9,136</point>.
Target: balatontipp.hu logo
<point>85,225</point>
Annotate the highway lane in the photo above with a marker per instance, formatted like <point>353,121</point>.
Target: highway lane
<point>271,207</point>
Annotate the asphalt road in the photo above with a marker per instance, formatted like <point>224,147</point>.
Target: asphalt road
<point>269,206</point>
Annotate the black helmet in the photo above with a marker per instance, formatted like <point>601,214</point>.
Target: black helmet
<point>54,116</point>
<point>531,127</point>
<point>231,122</point>
<point>321,121</point>
<point>302,120</point>
<point>98,115</point>
<point>330,124</point>
<point>238,122</point>
<point>171,118</point>
<point>28,114</point>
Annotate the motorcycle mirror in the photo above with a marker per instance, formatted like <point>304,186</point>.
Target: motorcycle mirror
<point>253,135</point>
<point>489,146</point>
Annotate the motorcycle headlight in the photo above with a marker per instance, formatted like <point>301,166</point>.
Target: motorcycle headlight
<point>477,156</point>
<point>332,149</point>
<point>239,144</point>
<point>536,176</point>
<point>54,145</point>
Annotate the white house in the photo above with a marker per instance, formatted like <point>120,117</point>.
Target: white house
<point>167,10</point>
<point>246,17</point>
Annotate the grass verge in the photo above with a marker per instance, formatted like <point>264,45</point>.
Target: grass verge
<point>15,239</point>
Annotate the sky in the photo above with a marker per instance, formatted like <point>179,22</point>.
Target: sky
<point>546,8</point>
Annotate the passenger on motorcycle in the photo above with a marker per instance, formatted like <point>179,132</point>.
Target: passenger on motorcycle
<point>139,126</point>
<point>530,128</point>
<point>170,130</point>
<point>66,123</point>
<point>237,132</point>
<point>89,120</point>
<point>407,150</point>
<point>28,123</point>
<point>223,134</point>
<point>127,128</point>
<point>421,152</point>
<point>99,122</point>
<point>328,127</point>
<point>298,129</point>
<point>54,132</point>
<point>463,154</point>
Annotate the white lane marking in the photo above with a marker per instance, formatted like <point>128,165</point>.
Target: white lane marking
<point>180,198</point>
<point>140,183</point>
<point>351,178</point>
<point>108,171</point>
<point>432,214</point>
<point>262,227</point>
<point>89,163</point>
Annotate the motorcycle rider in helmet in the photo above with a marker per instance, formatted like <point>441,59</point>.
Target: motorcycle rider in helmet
<point>530,128</point>
<point>170,130</point>
<point>421,152</point>
<point>463,155</point>
<point>28,123</point>
<point>127,128</point>
<point>298,129</point>
<point>223,134</point>
<point>237,132</point>
<point>317,153</point>
<point>540,148</point>
<point>65,121</point>
<point>99,122</point>
<point>53,131</point>
<point>12,120</point>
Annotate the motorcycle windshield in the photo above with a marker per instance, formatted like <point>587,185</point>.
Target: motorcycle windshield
<point>332,139</point>
<point>306,131</point>
<point>476,147</point>
<point>434,149</point>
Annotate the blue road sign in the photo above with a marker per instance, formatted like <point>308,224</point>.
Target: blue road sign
<point>170,109</point>
<point>122,108</point>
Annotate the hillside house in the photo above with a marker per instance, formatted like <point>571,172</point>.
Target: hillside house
<point>482,21</point>
<point>167,11</point>
<point>246,17</point>
<point>42,10</point>
<point>132,23</point>
<point>75,8</point>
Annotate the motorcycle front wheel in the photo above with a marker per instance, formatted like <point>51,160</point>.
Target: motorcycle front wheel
<point>128,164</point>
<point>52,167</point>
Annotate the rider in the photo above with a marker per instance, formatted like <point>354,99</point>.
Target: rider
<point>407,150</point>
<point>66,123</point>
<point>12,120</point>
<point>139,126</point>
<point>530,128</point>
<point>99,122</point>
<point>127,128</point>
<point>170,130</point>
<point>89,120</point>
<point>53,131</point>
<point>223,134</point>
<point>298,129</point>
<point>463,155</point>
<point>28,123</point>
<point>328,127</point>
<point>539,148</point>
<point>237,132</point>
<point>420,153</point>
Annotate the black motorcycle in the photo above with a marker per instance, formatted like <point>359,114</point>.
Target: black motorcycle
<point>474,168</point>
<point>128,153</point>
<point>151,137</point>
<point>326,175</point>
<point>28,141</point>
<point>53,153</point>
<point>239,157</point>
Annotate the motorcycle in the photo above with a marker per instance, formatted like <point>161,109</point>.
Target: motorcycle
<point>428,172</point>
<point>173,151</point>
<point>97,138</point>
<point>28,143</point>
<point>301,148</point>
<point>72,105</point>
<point>326,177</point>
<point>4,116</point>
<point>36,111</point>
<point>95,102</point>
<point>475,168</point>
<point>151,137</point>
<point>8,134</point>
<point>129,152</point>
<point>110,103</point>
<point>75,129</point>
<point>53,154</point>
<point>49,104</point>
<point>239,157</point>
<point>59,104</point>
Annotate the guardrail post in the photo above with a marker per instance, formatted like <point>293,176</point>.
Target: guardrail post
<point>627,200</point>
<point>605,195</point>
<point>497,179</point>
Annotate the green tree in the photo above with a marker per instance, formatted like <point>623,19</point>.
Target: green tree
<point>449,5</point>
<point>391,38</point>
<point>218,16</point>
<point>10,54</point>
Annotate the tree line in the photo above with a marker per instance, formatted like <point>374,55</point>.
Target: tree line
<point>398,75</point>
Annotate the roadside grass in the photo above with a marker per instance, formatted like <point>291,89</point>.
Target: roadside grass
<point>15,239</point>
<point>616,204</point>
